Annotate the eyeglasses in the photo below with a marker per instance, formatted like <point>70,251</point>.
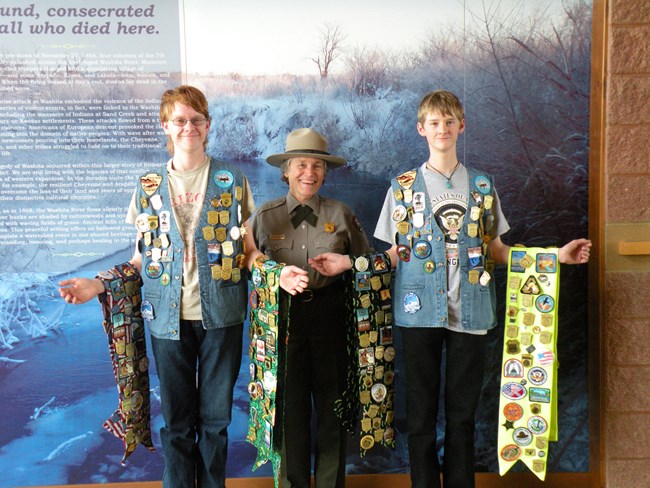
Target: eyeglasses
<point>196,121</point>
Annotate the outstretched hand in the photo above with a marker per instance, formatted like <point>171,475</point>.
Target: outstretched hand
<point>575,252</point>
<point>293,279</point>
<point>330,263</point>
<point>80,290</point>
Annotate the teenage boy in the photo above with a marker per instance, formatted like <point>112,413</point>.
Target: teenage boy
<point>444,222</point>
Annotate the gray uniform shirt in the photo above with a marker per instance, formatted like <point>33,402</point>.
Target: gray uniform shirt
<point>337,230</point>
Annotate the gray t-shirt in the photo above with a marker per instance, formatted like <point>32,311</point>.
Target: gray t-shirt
<point>449,207</point>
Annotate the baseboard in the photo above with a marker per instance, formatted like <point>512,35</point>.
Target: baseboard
<point>483,480</point>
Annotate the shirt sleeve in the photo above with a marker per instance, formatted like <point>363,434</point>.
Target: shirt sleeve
<point>501,225</point>
<point>358,239</point>
<point>132,212</point>
<point>247,201</point>
<point>385,229</point>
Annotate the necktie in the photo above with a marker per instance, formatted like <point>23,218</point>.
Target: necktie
<point>303,212</point>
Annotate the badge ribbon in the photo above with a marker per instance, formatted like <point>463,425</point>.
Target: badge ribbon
<point>528,402</point>
<point>124,327</point>
<point>268,332</point>
<point>371,353</point>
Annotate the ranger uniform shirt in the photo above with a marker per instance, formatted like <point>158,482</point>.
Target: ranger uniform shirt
<point>337,230</point>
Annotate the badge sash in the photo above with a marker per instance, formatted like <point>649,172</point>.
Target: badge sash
<point>528,401</point>
<point>268,332</point>
<point>371,353</point>
<point>124,327</point>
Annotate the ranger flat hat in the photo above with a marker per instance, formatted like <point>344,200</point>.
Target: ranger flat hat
<point>306,143</point>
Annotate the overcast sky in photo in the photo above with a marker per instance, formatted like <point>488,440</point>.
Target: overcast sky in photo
<point>277,37</point>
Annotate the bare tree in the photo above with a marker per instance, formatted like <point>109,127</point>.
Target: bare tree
<point>331,46</point>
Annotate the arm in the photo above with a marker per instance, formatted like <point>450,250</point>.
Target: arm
<point>573,252</point>
<point>332,264</point>
<point>82,290</point>
<point>292,279</point>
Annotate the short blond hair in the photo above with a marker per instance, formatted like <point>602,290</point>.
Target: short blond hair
<point>442,101</point>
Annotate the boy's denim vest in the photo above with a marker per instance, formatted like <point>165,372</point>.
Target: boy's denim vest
<point>420,285</point>
<point>223,302</point>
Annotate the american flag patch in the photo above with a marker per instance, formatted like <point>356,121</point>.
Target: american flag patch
<point>545,357</point>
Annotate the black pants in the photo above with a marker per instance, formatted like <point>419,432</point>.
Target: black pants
<point>422,352</point>
<point>316,371</point>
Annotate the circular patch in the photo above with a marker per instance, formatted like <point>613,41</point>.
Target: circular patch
<point>522,436</point>
<point>223,178</point>
<point>537,425</point>
<point>422,249</point>
<point>537,376</point>
<point>483,184</point>
<point>545,303</point>
<point>511,452</point>
<point>513,412</point>
<point>153,269</point>
<point>235,233</point>
<point>513,391</point>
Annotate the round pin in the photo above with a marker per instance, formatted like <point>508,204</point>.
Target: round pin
<point>399,213</point>
<point>253,299</point>
<point>367,441</point>
<point>483,184</point>
<point>235,233</point>
<point>422,249</point>
<point>154,269</point>
<point>411,303</point>
<point>389,354</point>
<point>223,178</point>
<point>142,222</point>
<point>429,266</point>
<point>165,279</point>
<point>146,309</point>
<point>361,263</point>
<point>404,253</point>
<point>378,392</point>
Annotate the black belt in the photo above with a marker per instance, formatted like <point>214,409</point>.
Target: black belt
<point>310,294</point>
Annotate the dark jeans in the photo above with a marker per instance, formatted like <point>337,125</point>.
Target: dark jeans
<point>465,357</point>
<point>197,374</point>
<point>316,371</point>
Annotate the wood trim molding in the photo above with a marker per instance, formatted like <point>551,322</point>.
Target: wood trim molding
<point>597,215</point>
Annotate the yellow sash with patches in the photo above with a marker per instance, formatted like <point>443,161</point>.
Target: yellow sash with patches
<point>528,403</point>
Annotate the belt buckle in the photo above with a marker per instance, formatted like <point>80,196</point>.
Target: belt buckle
<point>308,295</point>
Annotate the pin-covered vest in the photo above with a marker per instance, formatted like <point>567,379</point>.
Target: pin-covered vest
<point>223,283</point>
<point>420,285</point>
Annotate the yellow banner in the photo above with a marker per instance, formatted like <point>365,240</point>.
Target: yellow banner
<point>528,403</point>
